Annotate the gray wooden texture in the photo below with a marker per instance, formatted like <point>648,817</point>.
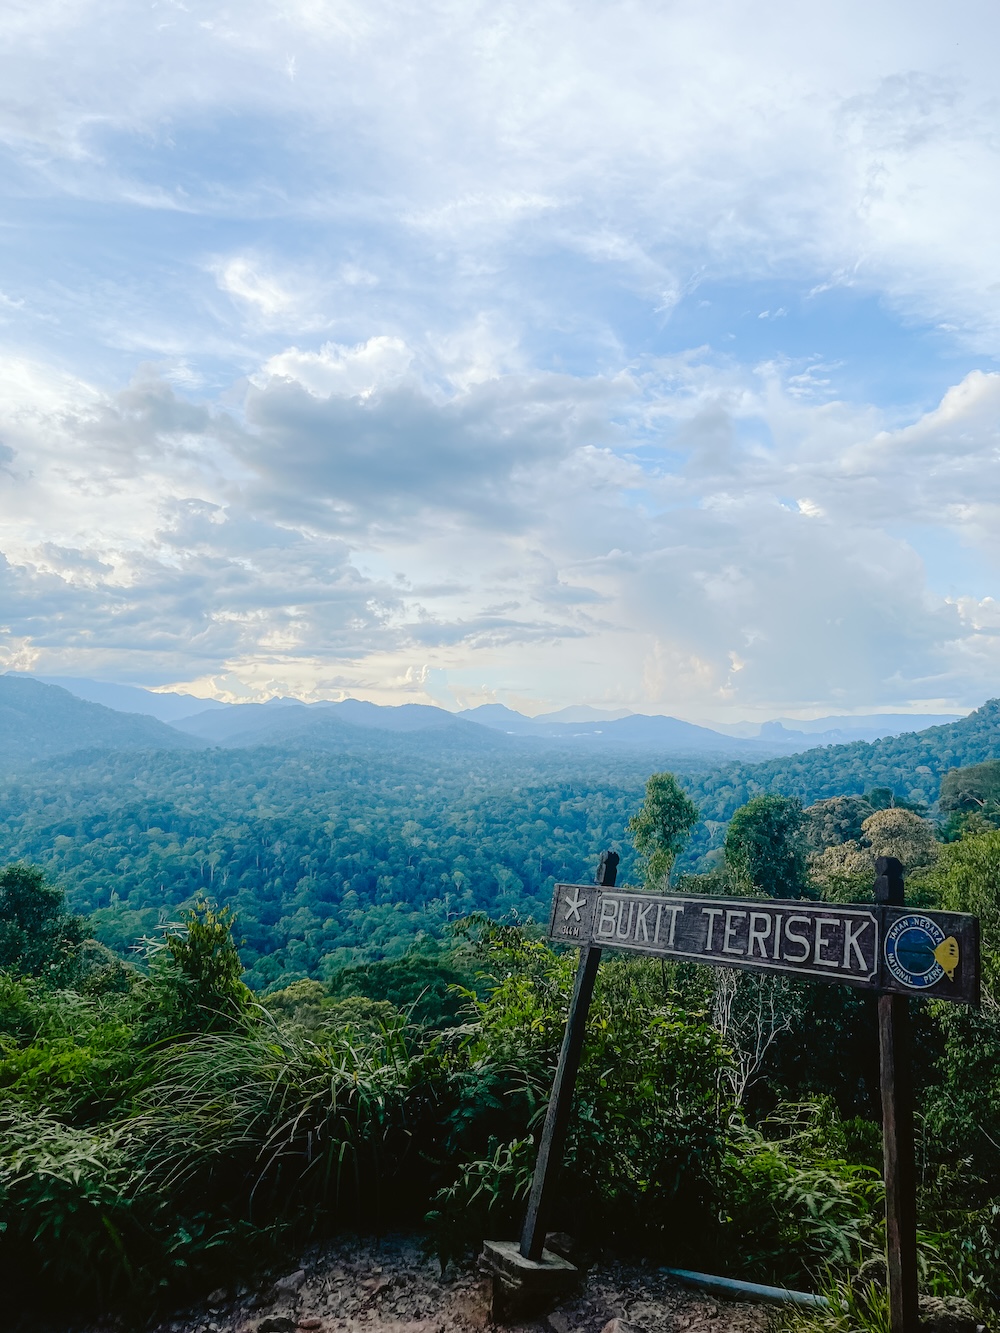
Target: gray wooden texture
<point>880,947</point>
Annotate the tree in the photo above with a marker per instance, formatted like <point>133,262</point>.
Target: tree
<point>196,977</point>
<point>971,795</point>
<point>881,798</point>
<point>902,834</point>
<point>836,820</point>
<point>751,1013</point>
<point>964,1107</point>
<point>37,936</point>
<point>661,827</point>
<point>968,880</point>
<point>846,871</point>
<point>764,847</point>
<point>429,990</point>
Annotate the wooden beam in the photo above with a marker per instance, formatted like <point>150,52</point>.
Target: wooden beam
<point>553,1138</point>
<point>897,1130</point>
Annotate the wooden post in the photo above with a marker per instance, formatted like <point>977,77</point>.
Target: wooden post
<point>553,1139</point>
<point>897,1130</point>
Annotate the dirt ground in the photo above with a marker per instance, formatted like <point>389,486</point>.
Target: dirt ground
<point>392,1287</point>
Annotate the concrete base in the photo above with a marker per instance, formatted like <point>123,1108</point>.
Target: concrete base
<point>523,1288</point>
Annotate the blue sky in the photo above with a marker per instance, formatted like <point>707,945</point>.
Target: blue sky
<point>640,355</point>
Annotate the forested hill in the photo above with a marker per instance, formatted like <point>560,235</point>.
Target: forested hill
<point>40,721</point>
<point>912,765</point>
<point>328,855</point>
<point>325,857</point>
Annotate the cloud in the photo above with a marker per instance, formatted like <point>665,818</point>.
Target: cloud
<point>380,458</point>
<point>242,277</point>
<point>751,553</point>
<point>346,372</point>
<point>544,318</point>
<point>661,140</point>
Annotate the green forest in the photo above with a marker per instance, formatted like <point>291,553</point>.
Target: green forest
<point>251,997</point>
<point>329,859</point>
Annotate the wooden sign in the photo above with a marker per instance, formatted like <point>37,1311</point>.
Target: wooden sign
<point>883,948</point>
<point>896,951</point>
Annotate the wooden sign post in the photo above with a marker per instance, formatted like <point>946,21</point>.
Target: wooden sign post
<point>553,1140</point>
<point>884,947</point>
<point>896,1086</point>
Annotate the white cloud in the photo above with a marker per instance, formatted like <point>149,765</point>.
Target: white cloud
<point>346,372</point>
<point>719,135</point>
<point>690,580</point>
<point>243,278</point>
<point>448,250</point>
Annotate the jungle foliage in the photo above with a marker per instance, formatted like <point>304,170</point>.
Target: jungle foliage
<point>329,859</point>
<point>165,1128</point>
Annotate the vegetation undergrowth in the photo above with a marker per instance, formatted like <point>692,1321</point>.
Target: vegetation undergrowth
<point>164,1130</point>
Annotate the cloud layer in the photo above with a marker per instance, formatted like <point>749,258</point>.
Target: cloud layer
<point>549,353</point>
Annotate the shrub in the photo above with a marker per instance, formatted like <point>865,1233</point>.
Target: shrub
<point>65,1211</point>
<point>37,936</point>
<point>195,978</point>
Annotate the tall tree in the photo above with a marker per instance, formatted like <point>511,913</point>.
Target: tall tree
<point>764,847</point>
<point>37,936</point>
<point>661,827</point>
<point>972,791</point>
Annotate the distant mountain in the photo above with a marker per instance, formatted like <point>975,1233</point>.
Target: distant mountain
<point>837,729</point>
<point>326,725</point>
<point>401,717</point>
<point>911,765</point>
<point>39,721</point>
<point>869,726</point>
<point>168,707</point>
<point>653,732</point>
<point>595,730</point>
<point>503,718</point>
<point>500,718</point>
<point>337,726</point>
<point>584,713</point>
<point>332,723</point>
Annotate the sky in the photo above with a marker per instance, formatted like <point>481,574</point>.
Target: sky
<point>642,355</point>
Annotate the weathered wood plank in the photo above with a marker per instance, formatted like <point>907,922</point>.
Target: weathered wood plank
<point>897,1131</point>
<point>877,947</point>
<point>553,1136</point>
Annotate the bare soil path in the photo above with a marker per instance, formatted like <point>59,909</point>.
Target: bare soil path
<point>390,1286</point>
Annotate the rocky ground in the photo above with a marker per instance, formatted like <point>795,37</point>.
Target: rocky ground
<point>393,1287</point>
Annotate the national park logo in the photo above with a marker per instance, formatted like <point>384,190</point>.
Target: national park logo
<point>918,954</point>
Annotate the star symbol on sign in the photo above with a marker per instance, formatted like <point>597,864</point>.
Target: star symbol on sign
<point>574,904</point>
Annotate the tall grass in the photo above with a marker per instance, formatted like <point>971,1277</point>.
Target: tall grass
<point>228,1144</point>
<point>275,1121</point>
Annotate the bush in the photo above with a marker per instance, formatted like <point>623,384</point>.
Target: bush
<point>37,936</point>
<point>195,978</point>
<point>648,1121</point>
<point>65,1211</point>
<point>429,989</point>
<point>795,1205</point>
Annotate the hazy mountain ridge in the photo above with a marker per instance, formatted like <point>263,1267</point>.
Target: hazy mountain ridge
<point>166,706</point>
<point>636,730</point>
<point>339,727</point>
<point>911,764</point>
<point>39,721</point>
<point>337,724</point>
<point>837,729</point>
<point>336,838</point>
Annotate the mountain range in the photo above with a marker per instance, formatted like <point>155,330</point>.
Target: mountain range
<point>44,717</point>
<point>39,721</point>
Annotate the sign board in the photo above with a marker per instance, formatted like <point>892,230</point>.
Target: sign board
<point>896,951</point>
<point>888,949</point>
